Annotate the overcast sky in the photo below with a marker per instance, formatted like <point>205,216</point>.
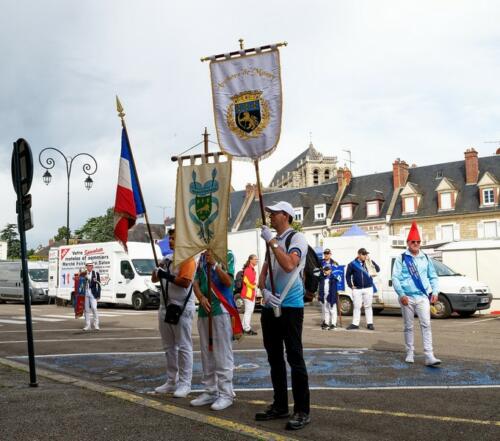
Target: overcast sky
<point>385,79</point>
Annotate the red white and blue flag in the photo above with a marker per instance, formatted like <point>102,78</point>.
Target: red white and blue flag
<point>128,203</point>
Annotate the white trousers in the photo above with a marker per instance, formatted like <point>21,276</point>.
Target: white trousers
<point>362,296</point>
<point>421,306</point>
<point>218,365</point>
<point>91,306</point>
<point>247,316</point>
<point>178,346</point>
<point>329,313</point>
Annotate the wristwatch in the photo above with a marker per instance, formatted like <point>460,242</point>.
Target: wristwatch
<point>274,245</point>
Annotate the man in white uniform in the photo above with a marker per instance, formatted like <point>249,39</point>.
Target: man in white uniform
<point>176,338</point>
<point>92,295</point>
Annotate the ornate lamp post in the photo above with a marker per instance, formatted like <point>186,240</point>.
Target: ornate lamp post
<point>89,168</point>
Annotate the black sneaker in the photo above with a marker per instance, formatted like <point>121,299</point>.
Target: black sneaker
<point>370,327</point>
<point>271,413</point>
<point>351,327</point>
<point>331,327</point>
<point>298,421</point>
<point>251,332</point>
<point>324,325</point>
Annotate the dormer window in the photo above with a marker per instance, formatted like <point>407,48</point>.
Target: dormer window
<point>299,214</point>
<point>446,201</point>
<point>488,196</point>
<point>409,205</point>
<point>319,212</point>
<point>373,208</point>
<point>346,212</point>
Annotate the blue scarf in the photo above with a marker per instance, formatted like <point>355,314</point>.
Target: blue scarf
<point>415,276</point>
<point>358,265</point>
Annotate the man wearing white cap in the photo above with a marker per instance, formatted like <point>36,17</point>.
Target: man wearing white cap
<point>283,315</point>
<point>92,295</point>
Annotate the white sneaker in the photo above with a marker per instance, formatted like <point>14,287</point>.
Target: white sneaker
<point>97,328</point>
<point>87,328</point>
<point>409,358</point>
<point>221,403</point>
<point>203,399</point>
<point>182,391</point>
<point>432,361</point>
<point>166,388</point>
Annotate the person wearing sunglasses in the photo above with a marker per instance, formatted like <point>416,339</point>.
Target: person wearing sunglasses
<point>416,282</point>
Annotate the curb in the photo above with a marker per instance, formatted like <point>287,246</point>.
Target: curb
<point>217,422</point>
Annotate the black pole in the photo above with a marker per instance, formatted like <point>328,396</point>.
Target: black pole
<point>26,289</point>
<point>67,211</point>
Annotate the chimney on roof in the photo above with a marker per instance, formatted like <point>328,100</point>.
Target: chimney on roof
<point>347,175</point>
<point>399,173</point>
<point>471,166</point>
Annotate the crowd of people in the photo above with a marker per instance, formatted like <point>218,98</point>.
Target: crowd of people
<point>281,283</point>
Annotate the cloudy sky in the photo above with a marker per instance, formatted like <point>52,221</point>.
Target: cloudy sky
<point>385,79</point>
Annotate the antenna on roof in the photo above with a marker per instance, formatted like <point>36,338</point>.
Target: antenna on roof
<point>350,161</point>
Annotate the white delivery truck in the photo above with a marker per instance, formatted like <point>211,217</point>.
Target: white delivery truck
<point>11,281</point>
<point>458,293</point>
<point>125,277</point>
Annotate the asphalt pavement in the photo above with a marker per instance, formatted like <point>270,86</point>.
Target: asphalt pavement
<point>99,385</point>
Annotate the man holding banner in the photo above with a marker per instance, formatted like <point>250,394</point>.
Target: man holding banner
<point>217,361</point>
<point>415,280</point>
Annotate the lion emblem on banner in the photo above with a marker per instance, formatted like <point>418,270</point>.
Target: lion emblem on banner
<point>248,114</point>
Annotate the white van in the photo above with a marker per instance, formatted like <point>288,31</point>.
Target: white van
<point>458,293</point>
<point>125,277</point>
<point>11,281</point>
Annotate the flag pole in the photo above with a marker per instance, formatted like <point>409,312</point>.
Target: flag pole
<point>121,114</point>
<point>209,271</point>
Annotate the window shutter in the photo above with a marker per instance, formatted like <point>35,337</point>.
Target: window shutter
<point>480,230</point>
<point>438,232</point>
<point>456,232</point>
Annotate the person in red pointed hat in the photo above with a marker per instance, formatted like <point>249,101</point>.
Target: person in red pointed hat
<point>416,282</point>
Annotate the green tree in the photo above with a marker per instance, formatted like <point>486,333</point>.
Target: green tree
<point>9,235</point>
<point>98,229</point>
<point>62,233</point>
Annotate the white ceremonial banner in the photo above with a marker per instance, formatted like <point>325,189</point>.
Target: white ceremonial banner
<point>247,101</point>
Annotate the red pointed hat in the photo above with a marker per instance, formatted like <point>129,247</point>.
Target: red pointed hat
<point>413,234</point>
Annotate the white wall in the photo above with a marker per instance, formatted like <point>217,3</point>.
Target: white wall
<point>3,250</point>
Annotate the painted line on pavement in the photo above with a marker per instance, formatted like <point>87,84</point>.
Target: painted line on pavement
<point>475,322</point>
<point>80,329</point>
<point>445,419</point>
<point>13,322</point>
<point>220,423</point>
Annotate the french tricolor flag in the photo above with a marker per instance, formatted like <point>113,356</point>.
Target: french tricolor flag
<point>128,203</point>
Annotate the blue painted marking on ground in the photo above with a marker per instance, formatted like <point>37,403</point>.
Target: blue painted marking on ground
<point>326,367</point>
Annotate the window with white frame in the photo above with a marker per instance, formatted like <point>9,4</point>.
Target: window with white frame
<point>299,214</point>
<point>409,204</point>
<point>372,208</point>
<point>446,201</point>
<point>346,212</point>
<point>319,212</point>
<point>447,233</point>
<point>490,229</point>
<point>488,196</point>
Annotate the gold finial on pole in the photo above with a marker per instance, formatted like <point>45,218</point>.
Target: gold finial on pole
<point>119,108</point>
<point>242,46</point>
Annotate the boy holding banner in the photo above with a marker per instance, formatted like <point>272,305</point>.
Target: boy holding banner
<point>415,280</point>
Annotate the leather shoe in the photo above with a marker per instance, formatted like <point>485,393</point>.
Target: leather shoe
<point>370,327</point>
<point>298,421</point>
<point>352,327</point>
<point>271,413</point>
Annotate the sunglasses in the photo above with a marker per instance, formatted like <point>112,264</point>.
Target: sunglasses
<point>415,242</point>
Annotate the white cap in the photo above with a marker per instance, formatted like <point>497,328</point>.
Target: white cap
<point>282,206</point>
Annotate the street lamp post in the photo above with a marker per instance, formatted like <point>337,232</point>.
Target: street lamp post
<point>89,168</point>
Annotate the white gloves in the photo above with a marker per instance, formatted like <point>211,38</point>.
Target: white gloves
<point>270,298</point>
<point>266,233</point>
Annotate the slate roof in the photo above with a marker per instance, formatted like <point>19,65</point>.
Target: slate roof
<point>468,195</point>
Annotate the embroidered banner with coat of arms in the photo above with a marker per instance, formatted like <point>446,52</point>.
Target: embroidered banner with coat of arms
<point>201,210</point>
<point>247,101</point>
